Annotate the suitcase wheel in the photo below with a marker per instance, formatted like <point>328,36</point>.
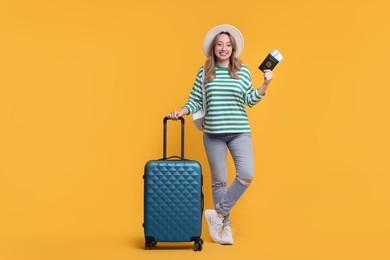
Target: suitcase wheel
<point>150,244</point>
<point>198,245</point>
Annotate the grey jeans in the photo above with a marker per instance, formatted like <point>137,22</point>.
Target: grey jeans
<point>240,147</point>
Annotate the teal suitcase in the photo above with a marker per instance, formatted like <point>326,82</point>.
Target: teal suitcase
<point>173,198</point>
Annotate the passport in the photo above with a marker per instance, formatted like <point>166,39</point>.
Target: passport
<point>270,62</point>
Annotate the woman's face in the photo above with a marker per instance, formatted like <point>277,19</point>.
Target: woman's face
<point>223,50</point>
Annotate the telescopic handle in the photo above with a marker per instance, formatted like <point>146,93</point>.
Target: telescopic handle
<point>165,139</point>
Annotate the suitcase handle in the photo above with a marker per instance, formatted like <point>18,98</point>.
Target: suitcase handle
<point>165,139</point>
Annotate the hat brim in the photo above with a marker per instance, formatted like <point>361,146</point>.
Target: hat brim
<point>233,31</point>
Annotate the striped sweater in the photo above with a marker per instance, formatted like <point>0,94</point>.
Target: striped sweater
<point>226,99</point>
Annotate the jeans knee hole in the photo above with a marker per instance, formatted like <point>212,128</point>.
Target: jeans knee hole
<point>219,184</point>
<point>245,182</point>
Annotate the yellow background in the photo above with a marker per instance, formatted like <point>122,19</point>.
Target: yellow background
<point>84,86</point>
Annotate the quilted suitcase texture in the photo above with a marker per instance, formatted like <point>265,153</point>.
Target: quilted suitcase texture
<point>173,199</point>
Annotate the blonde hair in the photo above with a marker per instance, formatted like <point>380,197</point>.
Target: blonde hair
<point>234,62</point>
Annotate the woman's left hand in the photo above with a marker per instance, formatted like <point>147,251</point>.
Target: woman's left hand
<point>268,75</point>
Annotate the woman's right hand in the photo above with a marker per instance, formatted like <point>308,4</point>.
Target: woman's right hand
<point>173,115</point>
<point>176,114</point>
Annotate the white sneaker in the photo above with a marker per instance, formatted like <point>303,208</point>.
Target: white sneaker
<point>227,236</point>
<point>215,224</point>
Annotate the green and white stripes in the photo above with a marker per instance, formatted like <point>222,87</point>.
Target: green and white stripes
<point>226,99</point>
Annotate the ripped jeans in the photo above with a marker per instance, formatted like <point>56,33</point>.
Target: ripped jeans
<point>240,147</point>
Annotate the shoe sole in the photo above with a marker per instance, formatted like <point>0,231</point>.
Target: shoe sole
<point>226,243</point>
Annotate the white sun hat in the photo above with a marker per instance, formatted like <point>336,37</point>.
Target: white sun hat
<point>233,31</point>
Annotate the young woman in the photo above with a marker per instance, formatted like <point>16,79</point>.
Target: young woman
<point>229,89</point>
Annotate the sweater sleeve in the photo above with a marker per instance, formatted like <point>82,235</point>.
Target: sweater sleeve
<point>251,96</point>
<point>195,100</point>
